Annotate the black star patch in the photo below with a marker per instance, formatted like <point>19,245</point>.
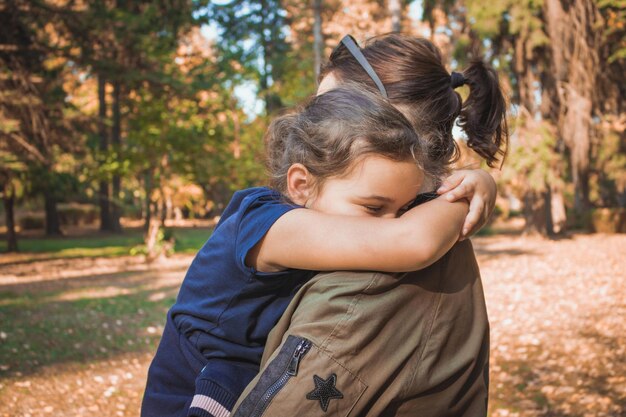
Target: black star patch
<point>324,391</point>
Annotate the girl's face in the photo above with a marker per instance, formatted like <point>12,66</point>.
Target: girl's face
<point>330,81</point>
<point>375,186</point>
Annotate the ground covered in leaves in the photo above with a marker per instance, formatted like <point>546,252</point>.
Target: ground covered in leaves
<point>77,335</point>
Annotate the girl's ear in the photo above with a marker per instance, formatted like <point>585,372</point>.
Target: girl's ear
<point>299,184</point>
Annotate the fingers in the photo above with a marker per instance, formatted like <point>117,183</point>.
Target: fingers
<point>466,189</point>
<point>476,217</point>
<point>451,182</point>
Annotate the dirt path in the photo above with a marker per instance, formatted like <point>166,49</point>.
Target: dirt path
<point>557,311</point>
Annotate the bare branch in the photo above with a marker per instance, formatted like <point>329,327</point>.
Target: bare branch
<point>30,148</point>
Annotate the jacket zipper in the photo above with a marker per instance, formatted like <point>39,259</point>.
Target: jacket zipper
<point>291,371</point>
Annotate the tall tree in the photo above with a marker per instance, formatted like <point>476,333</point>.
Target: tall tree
<point>103,134</point>
<point>318,37</point>
<point>34,98</point>
<point>575,41</point>
<point>116,141</point>
<point>11,181</point>
<point>8,198</point>
<point>126,46</point>
<point>564,71</point>
<point>252,34</point>
<point>395,10</point>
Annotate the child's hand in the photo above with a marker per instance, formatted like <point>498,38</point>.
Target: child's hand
<point>479,188</point>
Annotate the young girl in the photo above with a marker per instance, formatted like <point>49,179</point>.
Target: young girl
<point>356,163</point>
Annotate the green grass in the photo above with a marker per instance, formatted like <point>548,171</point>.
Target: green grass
<point>44,328</point>
<point>188,240</point>
<point>70,325</point>
<point>48,327</point>
<point>70,246</point>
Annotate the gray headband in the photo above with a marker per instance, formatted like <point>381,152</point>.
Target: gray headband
<point>353,48</point>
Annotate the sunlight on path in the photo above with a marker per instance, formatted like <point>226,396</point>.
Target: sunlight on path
<point>55,269</point>
<point>103,388</point>
<point>557,313</point>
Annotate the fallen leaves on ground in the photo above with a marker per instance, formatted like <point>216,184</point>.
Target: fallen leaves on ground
<point>558,338</point>
<point>558,331</point>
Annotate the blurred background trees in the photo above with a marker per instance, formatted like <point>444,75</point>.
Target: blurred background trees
<point>117,110</point>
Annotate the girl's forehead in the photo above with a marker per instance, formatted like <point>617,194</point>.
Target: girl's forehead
<point>379,175</point>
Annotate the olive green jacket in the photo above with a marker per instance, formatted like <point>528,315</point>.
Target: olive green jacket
<point>375,344</point>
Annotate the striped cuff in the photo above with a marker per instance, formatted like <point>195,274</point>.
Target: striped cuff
<point>211,400</point>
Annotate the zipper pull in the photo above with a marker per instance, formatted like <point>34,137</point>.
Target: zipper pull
<point>300,351</point>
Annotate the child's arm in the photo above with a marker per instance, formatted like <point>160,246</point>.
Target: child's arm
<point>308,239</point>
<point>477,186</point>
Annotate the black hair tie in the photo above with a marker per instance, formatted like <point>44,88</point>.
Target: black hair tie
<point>457,79</point>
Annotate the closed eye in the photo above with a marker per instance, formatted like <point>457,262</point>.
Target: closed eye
<point>373,209</point>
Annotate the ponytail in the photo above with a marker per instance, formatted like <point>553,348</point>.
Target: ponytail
<point>419,85</point>
<point>483,114</point>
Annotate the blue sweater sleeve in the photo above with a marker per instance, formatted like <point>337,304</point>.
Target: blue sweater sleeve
<point>249,217</point>
<point>218,387</point>
<point>259,211</point>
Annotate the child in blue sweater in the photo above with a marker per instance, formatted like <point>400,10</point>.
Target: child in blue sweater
<point>345,171</point>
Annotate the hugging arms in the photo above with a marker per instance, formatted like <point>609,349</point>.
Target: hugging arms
<point>347,153</point>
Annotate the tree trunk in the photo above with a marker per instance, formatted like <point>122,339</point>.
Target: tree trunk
<point>116,132</point>
<point>526,78</point>
<point>103,192</point>
<point>9,213</point>
<point>148,209</point>
<point>395,10</point>
<point>575,41</point>
<point>548,208</point>
<point>576,130</point>
<point>236,129</point>
<point>557,210</point>
<point>153,245</point>
<point>580,174</point>
<point>550,112</point>
<point>318,39</point>
<point>169,208</point>
<point>272,100</point>
<point>264,81</point>
<point>162,210</point>
<point>157,248</point>
<point>52,215</point>
<point>535,213</point>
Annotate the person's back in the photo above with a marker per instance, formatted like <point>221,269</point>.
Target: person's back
<point>382,345</point>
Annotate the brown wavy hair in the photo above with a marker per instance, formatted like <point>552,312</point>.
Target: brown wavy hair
<point>418,84</point>
<point>333,130</point>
